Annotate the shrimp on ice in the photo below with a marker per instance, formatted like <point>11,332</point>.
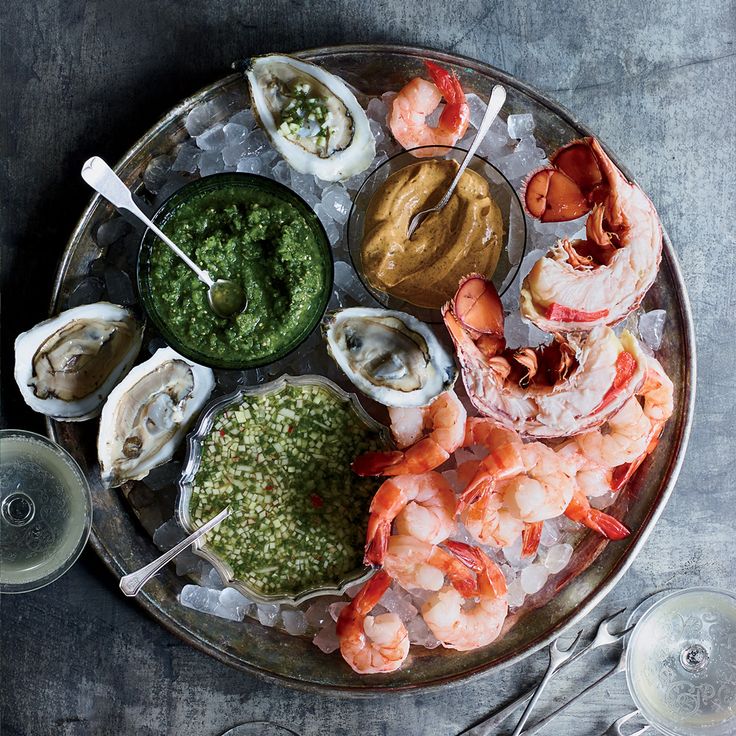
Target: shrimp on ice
<point>631,434</point>
<point>516,487</point>
<point>428,435</point>
<point>566,387</point>
<point>581,511</point>
<point>583,284</point>
<point>372,643</point>
<point>416,564</point>
<point>422,505</point>
<point>420,98</point>
<point>459,623</point>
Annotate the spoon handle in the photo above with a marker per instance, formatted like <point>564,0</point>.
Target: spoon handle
<point>498,97</point>
<point>107,183</point>
<point>132,583</point>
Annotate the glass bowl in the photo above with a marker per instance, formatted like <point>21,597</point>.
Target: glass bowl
<point>191,466</point>
<point>212,183</point>
<point>45,511</point>
<point>512,213</point>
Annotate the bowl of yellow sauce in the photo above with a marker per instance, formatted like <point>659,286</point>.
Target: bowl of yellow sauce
<point>481,230</point>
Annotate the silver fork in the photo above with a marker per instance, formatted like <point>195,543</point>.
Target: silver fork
<point>557,657</point>
<point>603,637</point>
<point>615,728</point>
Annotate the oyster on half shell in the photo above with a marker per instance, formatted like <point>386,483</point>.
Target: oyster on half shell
<point>66,366</point>
<point>390,356</point>
<point>311,117</point>
<point>148,414</point>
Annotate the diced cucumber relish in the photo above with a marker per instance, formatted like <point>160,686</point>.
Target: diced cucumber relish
<point>282,463</point>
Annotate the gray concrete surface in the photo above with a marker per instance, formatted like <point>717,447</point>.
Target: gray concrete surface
<point>654,78</point>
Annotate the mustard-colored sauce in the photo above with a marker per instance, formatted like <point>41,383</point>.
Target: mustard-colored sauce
<point>464,237</point>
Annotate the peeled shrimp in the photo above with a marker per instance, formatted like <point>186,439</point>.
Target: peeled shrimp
<point>584,284</point>
<point>429,434</point>
<point>426,504</point>
<point>367,643</point>
<point>416,564</point>
<point>420,98</point>
<point>459,623</point>
<point>569,386</point>
<point>516,486</point>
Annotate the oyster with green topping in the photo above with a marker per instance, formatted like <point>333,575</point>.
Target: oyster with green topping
<point>311,117</point>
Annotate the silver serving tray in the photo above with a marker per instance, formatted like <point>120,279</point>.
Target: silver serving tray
<point>125,519</point>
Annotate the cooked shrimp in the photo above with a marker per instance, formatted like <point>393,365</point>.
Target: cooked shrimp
<point>367,643</point>
<point>569,386</point>
<point>515,487</point>
<point>590,478</point>
<point>459,623</point>
<point>429,435</point>
<point>431,517</point>
<point>597,281</point>
<point>420,98</point>
<point>416,564</point>
<point>581,511</point>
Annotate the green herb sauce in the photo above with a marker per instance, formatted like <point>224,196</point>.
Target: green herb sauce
<point>282,463</point>
<point>256,239</point>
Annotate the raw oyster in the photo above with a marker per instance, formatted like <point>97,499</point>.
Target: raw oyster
<point>66,366</point>
<point>311,117</point>
<point>390,356</point>
<point>148,414</point>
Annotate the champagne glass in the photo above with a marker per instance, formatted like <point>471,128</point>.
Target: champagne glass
<point>681,663</point>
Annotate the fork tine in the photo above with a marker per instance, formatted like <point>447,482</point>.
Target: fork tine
<point>573,645</point>
<point>610,618</point>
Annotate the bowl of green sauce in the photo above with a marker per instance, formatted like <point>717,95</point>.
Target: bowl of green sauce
<point>251,230</point>
<point>279,456</point>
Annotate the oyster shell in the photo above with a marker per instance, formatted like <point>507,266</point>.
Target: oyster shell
<point>390,356</point>
<point>148,414</point>
<point>66,366</point>
<point>311,117</point>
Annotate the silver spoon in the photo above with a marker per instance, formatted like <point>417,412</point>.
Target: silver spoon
<point>132,583</point>
<point>498,97</point>
<point>557,656</point>
<point>225,297</point>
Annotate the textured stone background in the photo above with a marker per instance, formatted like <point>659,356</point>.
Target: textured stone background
<point>655,79</point>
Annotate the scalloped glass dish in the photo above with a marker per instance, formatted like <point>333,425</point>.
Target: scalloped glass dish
<point>192,465</point>
<point>512,213</point>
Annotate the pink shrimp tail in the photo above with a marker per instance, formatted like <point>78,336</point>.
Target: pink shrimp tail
<point>422,457</point>
<point>530,538</point>
<point>375,463</point>
<point>367,597</point>
<point>580,510</point>
<point>489,573</point>
<point>379,531</point>
<point>456,115</point>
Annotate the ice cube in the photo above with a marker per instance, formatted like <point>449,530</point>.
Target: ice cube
<point>515,594</point>
<point>119,287</point>
<point>303,185</point>
<point>210,162</point>
<point>602,500</point>
<point>337,203</point>
<point>156,173</point>
<point>550,533</point>
<point>235,134</point>
<point>335,608</point>
<point>378,132</point>
<point>377,110</point>
<point>233,605</point>
<point>533,578</point>
<point>213,139</point>
<point>187,159</point>
<point>232,153</point>
<point>244,118</point>
<point>199,598</point>
<point>295,622</point>
<point>268,613</point>
<point>512,553</point>
<point>87,291</point>
<point>168,535</point>
<point>163,476</point>
<point>420,634</point>
<point>111,231</point>
<point>520,126</point>
<point>250,165</point>
<point>326,639</point>
<point>187,563</point>
<point>477,109</point>
<point>199,119</point>
<point>557,557</point>
<point>317,613</point>
<point>211,579</point>
<point>397,601</point>
<point>651,327</point>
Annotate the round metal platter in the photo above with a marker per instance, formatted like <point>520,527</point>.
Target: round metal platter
<point>125,518</point>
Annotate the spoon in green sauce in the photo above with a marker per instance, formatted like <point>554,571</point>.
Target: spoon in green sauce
<point>225,297</point>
